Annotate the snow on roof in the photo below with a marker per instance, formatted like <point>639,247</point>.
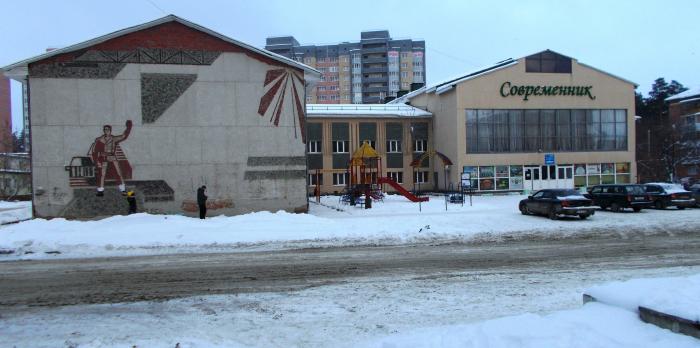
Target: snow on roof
<point>166,19</point>
<point>693,92</point>
<point>365,110</point>
<point>446,85</point>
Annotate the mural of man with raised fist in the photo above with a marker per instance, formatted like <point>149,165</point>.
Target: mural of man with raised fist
<point>104,153</point>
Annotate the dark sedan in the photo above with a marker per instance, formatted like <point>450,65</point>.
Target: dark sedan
<point>669,195</point>
<point>695,189</point>
<point>555,202</point>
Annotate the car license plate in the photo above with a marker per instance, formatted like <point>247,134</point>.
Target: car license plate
<point>581,212</point>
<point>638,198</point>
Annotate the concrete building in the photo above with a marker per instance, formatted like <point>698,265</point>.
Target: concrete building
<point>399,133</point>
<point>541,121</point>
<point>162,108</point>
<point>684,112</point>
<point>373,70</point>
<point>6,141</point>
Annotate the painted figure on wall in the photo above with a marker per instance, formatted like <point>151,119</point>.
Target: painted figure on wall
<point>104,155</point>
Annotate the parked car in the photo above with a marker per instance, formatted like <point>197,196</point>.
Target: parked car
<point>695,190</point>
<point>620,196</point>
<point>555,202</point>
<point>669,195</point>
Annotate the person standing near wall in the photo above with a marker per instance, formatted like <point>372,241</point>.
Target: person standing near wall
<point>202,201</point>
<point>131,199</point>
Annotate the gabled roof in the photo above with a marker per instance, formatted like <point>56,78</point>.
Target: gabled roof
<point>693,92</point>
<point>446,85</point>
<point>166,19</point>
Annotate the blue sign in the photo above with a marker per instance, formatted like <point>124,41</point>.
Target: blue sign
<point>548,158</point>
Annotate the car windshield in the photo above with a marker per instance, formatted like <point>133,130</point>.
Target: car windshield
<point>567,194</point>
<point>635,190</point>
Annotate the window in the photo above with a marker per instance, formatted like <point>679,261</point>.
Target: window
<point>404,74</point>
<point>420,145</point>
<point>314,146</point>
<point>548,62</point>
<point>341,146</point>
<point>339,179</point>
<point>393,146</point>
<point>396,176</point>
<point>404,65</point>
<point>546,130</point>
<point>420,177</point>
<point>315,179</point>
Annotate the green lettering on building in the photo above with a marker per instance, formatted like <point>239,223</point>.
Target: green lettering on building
<point>526,91</point>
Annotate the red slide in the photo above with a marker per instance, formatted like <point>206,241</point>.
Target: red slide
<point>411,197</point>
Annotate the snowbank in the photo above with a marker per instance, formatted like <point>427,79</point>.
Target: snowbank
<point>594,325</point>
<point>394,221</point>
<point>15,211</point>
<point>676,296</point>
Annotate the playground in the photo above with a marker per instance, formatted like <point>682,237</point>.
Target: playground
<point>365,182</point>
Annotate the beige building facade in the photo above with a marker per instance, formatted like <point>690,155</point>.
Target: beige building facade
<point>541,121</point>
<point>399,133</point>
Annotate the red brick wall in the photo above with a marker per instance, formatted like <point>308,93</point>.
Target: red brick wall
<point>5,116</point>
<point>167,35</point>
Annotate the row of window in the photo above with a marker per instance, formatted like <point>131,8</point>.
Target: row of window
<point>501,131</point>
<point>504,177</point>
<point>341,179</point>
<point>331,97</point>
<point>343,146</point>
<point>329,78</point>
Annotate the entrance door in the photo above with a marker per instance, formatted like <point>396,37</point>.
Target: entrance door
<point>565,176</point>
<point>548,174</point>
<point>532,180</point>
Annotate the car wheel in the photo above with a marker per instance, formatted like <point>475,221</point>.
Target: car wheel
<point>660,205</point>
<point>553,213</point>
<point>524,210</point>
<point>615,207</point>
<point>637,209</point>
<point>603,207</point>
<point>583,216</point>
<point>680,208</point>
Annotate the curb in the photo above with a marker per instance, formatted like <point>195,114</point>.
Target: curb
<point>660,319</point>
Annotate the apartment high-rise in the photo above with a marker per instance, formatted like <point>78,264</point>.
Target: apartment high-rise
<point>373,70</point>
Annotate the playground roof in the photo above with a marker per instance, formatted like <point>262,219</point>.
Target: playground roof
<point>365,110</point>
<point>364,151</point>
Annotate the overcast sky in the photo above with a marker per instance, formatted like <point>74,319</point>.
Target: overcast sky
<point>637,40</point>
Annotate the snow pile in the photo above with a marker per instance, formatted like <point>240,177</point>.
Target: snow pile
<point>594,325</point>
<point>675,296</point>
<point>15,211</point>
<point>391,222</point>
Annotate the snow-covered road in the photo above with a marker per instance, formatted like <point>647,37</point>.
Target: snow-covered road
<point>346,314</point>
<point>109,280</point>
